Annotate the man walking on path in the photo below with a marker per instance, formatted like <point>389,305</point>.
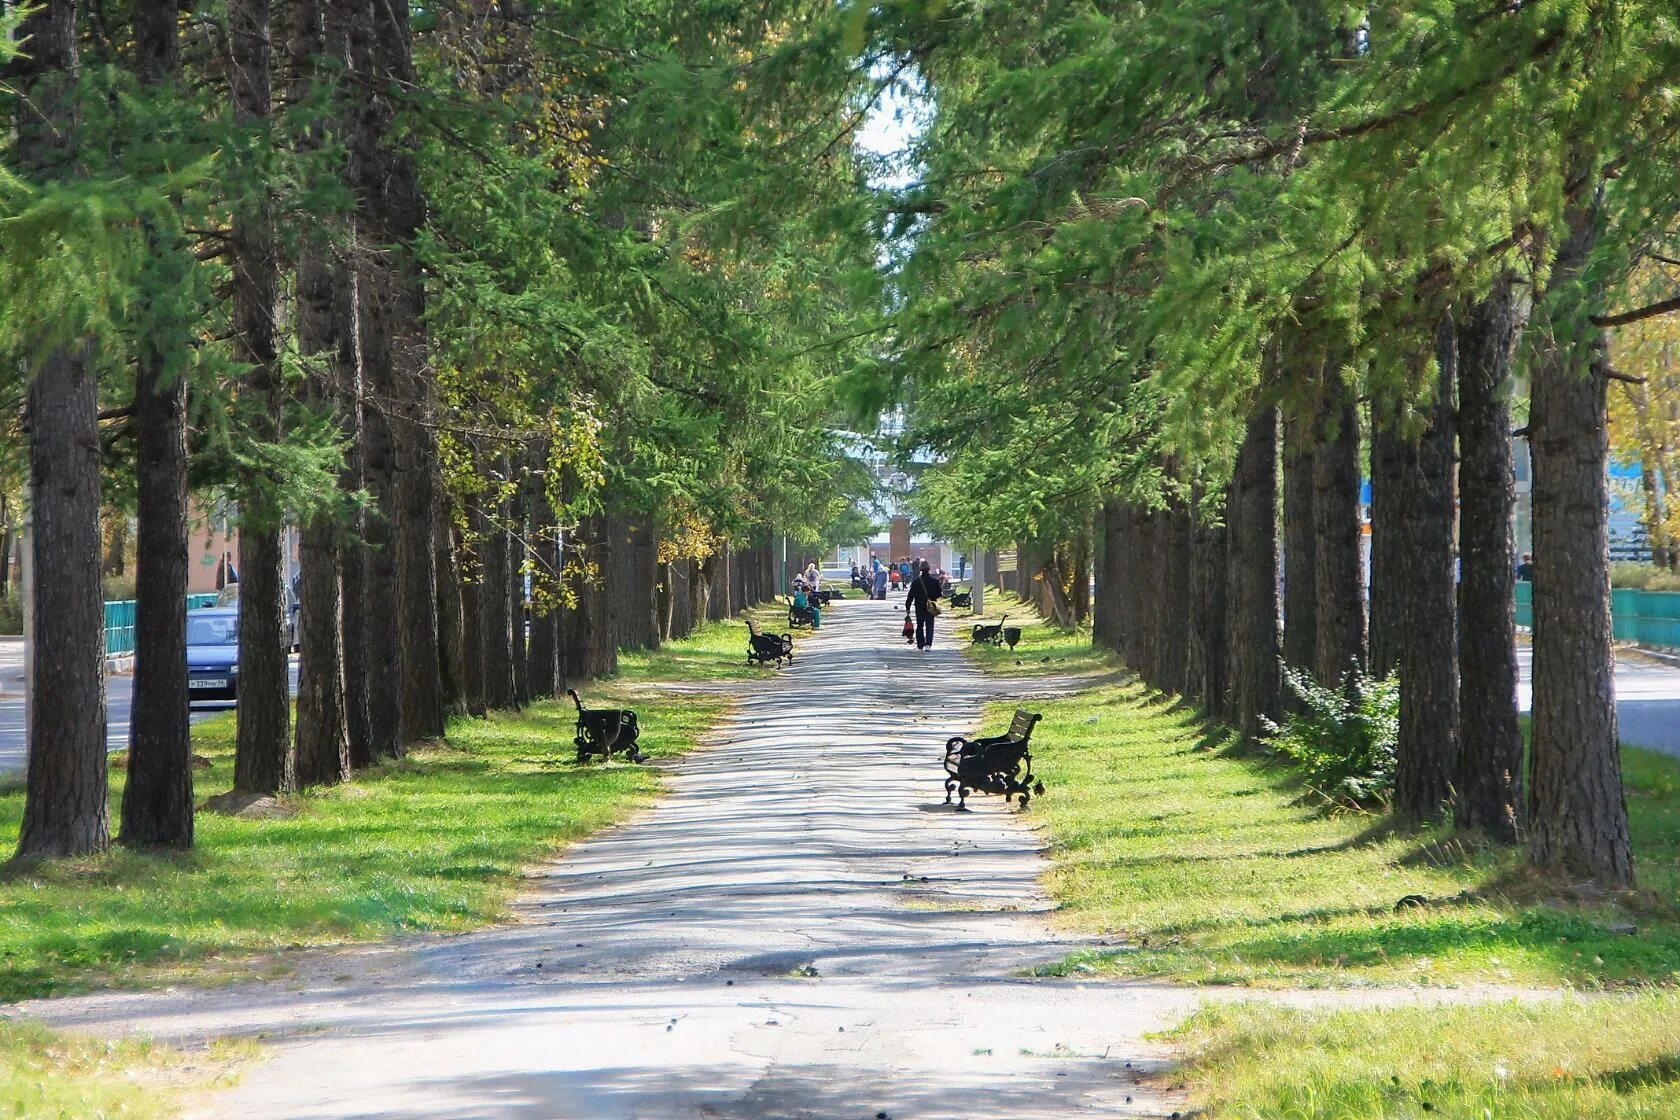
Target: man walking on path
<point>924,589</point>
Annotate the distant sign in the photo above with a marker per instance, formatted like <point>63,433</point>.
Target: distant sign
<point>1006,560</point>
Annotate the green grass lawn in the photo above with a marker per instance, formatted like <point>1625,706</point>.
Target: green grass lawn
<point>715,651</point>
<point>433,842</point>
<point>45,1074</point>
<point>1563,1060</point>
<point>1044,648</point>
<point>1219,868</point>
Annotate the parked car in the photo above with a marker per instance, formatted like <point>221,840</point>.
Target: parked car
<point>213,653</point>
<point>229,597</point>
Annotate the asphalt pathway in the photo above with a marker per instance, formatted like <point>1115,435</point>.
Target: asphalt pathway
<point>799,928</point>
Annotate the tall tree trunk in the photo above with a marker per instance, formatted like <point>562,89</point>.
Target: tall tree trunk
<point>1427,750</point>
<point>1577,816</point>
<point>157,804</point>
<point>323,737</point>
<point>1176,602</point>
<point>263,758</point>
<point>65,789</point>
<point>495,600</point>
<point>114,531</point>
<point>1391,457</point>
<point>323,733</point>
<point>1208,648</point>
<point>519,632</point>
<point>357,605</point>
<point>1254,596</point>
<point>1340,644</point>
<point>382,636</point>
<point>452,645</point>
<point>64,810</point>
<point>543,669</point>
<point>472,627</point>
<point>1105,615</point>
<point>397,212</point>
<point>1300,543</point>
<point>1488,784</point>
<point>586,627</point>
<point>1080,558</point>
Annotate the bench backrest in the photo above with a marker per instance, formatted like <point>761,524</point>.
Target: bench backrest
<point>1021,726</point>
<point>752,628</point>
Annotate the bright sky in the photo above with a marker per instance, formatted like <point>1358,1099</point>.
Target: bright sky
<point>898,117</point>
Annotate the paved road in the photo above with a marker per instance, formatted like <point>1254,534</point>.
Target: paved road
<point>119,692</point>
<point>1647,699</point>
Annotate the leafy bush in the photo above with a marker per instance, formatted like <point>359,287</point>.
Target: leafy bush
<point>11,612</point>
<point>118,588</point>
<point>1646,577</point>
<point>1342,737</point>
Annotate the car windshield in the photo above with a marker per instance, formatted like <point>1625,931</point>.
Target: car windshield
<point>212,631</point>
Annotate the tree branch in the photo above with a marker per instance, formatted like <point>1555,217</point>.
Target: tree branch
<point>1649,311</point>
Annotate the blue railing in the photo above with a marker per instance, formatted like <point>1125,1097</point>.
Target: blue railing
<point>1648,618</point>
<point>119,621</point>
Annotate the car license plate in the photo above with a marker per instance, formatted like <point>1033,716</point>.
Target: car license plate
<point>217,682</point>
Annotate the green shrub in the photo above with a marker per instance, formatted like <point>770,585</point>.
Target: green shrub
<point>1646,577</point>
<point>1342,737</point>
<point>11,612</point>
<point>118,588</point>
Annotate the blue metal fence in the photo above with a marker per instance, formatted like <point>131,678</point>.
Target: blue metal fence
<point>119,621</point>
<point>1649,618</point>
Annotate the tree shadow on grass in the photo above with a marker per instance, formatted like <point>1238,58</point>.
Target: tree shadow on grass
<point>1659,1071</point>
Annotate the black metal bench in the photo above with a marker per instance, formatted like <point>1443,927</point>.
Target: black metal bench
<point>765,648</point>
<point>962,599</point>
<point>604,730</point>
<point>989,633</point>
<point>799,617</point>
<point>994,764</point>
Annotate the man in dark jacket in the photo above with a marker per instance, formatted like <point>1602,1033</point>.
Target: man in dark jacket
<point>924,589</point>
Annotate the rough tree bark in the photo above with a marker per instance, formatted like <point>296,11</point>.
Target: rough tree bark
<point>519,654</point>
<point>495,600</point>
<point>397,211</point>
<point>1340,645</point>
<point>1577,816</point>
<point>1300,543</point>
<point>323,737</point>
<point>263,757</point>
<point>1105,614</point>
<point>1207,655</point>
<point>452,647</point>
<point>1488,785</point>
<point>543,667</point>
<point>1175,628</point>
<point>157,804</point>
<point>1391,457</point>
<point>65,809</point>
<point>1424,586</point>
<point>471,574</point>
<point>1253,558</point>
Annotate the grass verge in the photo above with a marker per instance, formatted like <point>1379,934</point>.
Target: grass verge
<point>1559,1060</point>
<point>716,651</point>
<point>1218,868</point>
<point>435,841</point>
<point>44,1073</point>
<point>1044,648</point>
